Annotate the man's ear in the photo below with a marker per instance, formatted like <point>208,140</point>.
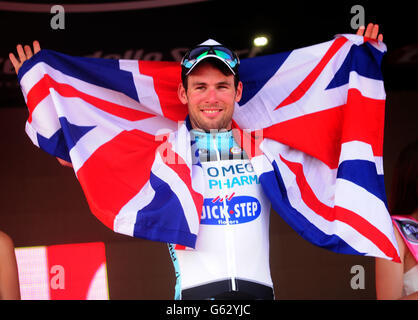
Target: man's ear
<point>181,92</point>
<point>238,94</point>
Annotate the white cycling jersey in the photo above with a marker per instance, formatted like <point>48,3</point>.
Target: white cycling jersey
<point>233,239</point>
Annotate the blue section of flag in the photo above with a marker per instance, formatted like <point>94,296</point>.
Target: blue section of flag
<point>62,141</point>
<point>257,71</point>
<point>152,223</point>
<point>362,60</point>
<point>54,145</point>
<point>363,173</point>
<point>275,189</point>
<point>100,72</point>
<point>73,132</point>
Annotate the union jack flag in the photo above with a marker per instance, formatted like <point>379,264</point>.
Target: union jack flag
<point>314,118</point>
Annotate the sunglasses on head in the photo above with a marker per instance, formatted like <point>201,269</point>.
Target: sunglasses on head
<point>201,52</point>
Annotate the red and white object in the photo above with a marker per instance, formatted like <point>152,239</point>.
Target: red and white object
<point>63,272</point>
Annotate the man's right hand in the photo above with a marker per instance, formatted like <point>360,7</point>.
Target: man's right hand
<point>24,54</point>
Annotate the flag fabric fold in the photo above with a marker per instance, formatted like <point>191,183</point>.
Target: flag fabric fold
<point>311,121</point>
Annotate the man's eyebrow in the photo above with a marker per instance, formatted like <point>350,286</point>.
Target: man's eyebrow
<point>223,83</point>
<point>198,83</point>
<point>202,83</point>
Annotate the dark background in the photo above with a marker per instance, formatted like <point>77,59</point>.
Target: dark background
<point>42,203</point>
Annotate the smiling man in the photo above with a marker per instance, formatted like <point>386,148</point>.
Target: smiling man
<point>231,257</point>
<point>210,86</point>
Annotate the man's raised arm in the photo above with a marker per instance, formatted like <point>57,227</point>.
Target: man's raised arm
<point>25,53</point>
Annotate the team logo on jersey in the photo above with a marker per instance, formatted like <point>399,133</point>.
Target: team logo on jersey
<point>230,210</point>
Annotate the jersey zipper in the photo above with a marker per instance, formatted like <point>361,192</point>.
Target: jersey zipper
<point>230,243</point>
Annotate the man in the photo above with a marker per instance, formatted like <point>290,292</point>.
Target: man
<point>231,256</point>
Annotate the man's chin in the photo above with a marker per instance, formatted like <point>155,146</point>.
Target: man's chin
<point>215,127</point>
<point>211,125</point>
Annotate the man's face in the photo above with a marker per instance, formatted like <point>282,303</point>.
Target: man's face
<point>211,97</point>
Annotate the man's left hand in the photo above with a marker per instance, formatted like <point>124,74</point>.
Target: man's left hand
<point>372,32</point>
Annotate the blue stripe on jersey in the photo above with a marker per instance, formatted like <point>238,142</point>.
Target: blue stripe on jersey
<point>173,255</point>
